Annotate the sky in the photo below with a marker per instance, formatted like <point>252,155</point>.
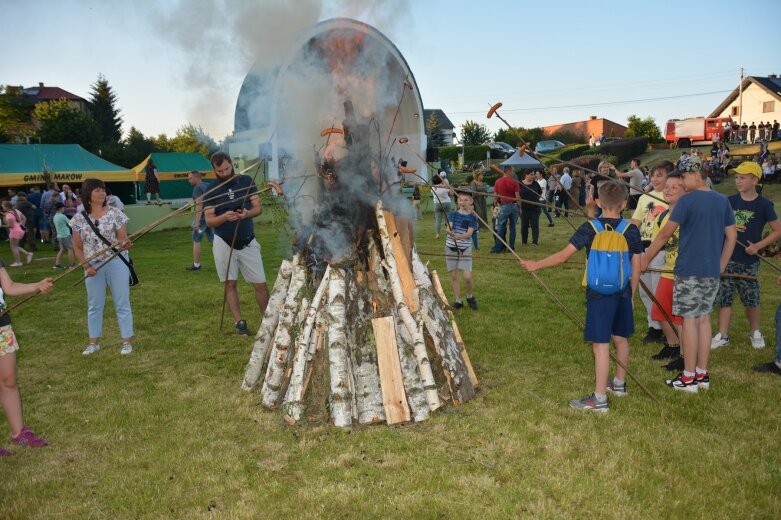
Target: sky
<point>174,62</point>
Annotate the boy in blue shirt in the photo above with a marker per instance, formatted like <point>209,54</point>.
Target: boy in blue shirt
<point>462,224</point>
<point>707,238</point>
<point>608,315</point>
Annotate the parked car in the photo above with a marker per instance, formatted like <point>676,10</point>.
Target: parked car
<point>548,146</point>
<point>500,150</point>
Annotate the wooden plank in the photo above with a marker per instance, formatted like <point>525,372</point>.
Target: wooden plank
<point>394,397</point>
<point>403,263</point>
<point>406,235</point>
<point>464,354</point>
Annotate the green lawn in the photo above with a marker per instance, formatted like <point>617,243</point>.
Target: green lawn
<point>167,432</point>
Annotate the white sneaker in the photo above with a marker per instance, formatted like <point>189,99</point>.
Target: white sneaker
<point>757,339</point>
<point>719,341</point>
<point>29,257</point>
<point>126,349</point>
<point>91,349</point>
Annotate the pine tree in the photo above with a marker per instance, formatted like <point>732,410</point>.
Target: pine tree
<point>103,107</point>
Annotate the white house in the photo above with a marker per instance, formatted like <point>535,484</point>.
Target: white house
<point>761,101</point>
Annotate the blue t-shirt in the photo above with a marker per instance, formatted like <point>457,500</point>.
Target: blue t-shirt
<point>460,223</point>
<point>235,193</point>
<point>198,191</point>
<point>702,216</point>
<point>584,237</point>
<point>750,219</point>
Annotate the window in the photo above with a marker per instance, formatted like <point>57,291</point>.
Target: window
<point>735,111</point>
<point>768,106</point>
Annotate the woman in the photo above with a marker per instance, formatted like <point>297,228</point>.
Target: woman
<point>152,182</point>
<point>103,271</point>
<point>530,213</point>
<point>606,172</point>
<point>13,221</point>
<point>479,195</point>
<point>440,194</point>
<point>70,201</point>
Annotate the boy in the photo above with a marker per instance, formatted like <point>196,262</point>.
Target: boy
<point>752,212</point>
<point>458,248</point>
<point>64,237</point>
<point>606,315</point>
<point>649,207</point>
<point>707,239</point>
<point>774,367</point>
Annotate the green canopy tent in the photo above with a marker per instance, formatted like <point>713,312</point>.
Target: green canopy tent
<point>36,164</point>
<point>173,169</point>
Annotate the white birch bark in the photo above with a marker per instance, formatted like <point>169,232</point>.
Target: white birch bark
<point>416,394</point>
<point>419,346</point>
<point>268,326</point>
<point>363,354</point>
<point>282,340</point>
<point>438,326</point>
<point>341,400</point>
<point>294,406</point>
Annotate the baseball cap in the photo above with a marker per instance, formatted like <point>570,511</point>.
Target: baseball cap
<point>748,168</point>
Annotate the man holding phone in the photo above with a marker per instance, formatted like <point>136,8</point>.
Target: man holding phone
<point>229,210</point>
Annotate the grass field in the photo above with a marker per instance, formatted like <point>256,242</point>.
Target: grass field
<point>167,432</point>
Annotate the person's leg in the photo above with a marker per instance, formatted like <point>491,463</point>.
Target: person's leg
<point>703,345</point>
<point>437,218</point>
<point>15,249</point>
<point>261,296</point>
<point>9,393</point>
<point>117,276</point>
<point>689,342</point>
<point>196,252</point>
<point>753,315</point>
<point>725,317</point>
<point>601,367</point>
<point>535,222</point>
<point>455,283</point>
<point>501,230</point>
<point>512,221</point>
<point>58,258</point>
<point>71,258</point>
<point>468,282</point>
<point>622,354</point>
<point>524,227</point>
<point>546,211</point>
<point>148,197</point>
<point>96,301</point>
<point>232,297</point>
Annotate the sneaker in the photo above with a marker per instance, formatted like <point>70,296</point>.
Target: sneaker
<point>719,341</point>
<point>653,336</point>
<point>668,352</point>
<point>551,225</point>
<point>757,339</point>
<point>458,305</point>
<point>472,303</point>
<point>617,390</point>
<point>4,452</point>
<point>590,403</point>
<point>58,266</point>
<point>17,264</point>
<point>676,365</point>
<point>27,438</point>
<point>703,381</point>
<point>193,268</point>
<point>29,257</point>
<point>683,383</point>
<point>768,367</point>
<point>126,349</point>
<point>534,245</point>
<point>241,328</point>
<point>91,349</point>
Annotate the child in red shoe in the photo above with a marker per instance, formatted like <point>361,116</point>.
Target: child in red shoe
<point>9,391</point>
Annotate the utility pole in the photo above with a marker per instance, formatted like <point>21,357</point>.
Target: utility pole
<point>740,106</point>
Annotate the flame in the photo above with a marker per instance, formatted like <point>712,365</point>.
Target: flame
<point>374,306</point>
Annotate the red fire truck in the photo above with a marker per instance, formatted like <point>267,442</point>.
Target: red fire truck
<point>685,132</point>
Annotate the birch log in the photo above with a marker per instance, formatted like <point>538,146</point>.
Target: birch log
<point>268,326</point>
<point>282,340</point>
<point>341,400</point>
<point>368,395</point>
<point>419,346</point>
<point>438,326</point>
<point>294,406</point>
<point>416,394</point>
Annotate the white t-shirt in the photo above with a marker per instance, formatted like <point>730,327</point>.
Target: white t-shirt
<point>544,186</point>
<point>440,195</point>
<point>635,182</point>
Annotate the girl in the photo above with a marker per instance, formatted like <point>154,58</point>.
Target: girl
<point>113,273</point>
<point>14,222</point>
<point>9,391</point>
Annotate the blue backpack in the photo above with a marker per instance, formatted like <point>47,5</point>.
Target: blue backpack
<point>608,268</point>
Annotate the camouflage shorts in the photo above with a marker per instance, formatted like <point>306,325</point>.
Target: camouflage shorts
<point>693,296</point>
<point>747,289</point>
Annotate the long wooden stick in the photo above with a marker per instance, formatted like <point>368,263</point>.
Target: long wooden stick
<point>655,301</point>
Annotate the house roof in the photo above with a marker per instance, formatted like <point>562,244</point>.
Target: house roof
<point>43,93</point>
<point>771,85</point>
<point>442,119</point>
<point>586,121</point>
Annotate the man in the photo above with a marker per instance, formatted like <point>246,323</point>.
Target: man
<point>562,188</point>
<point>199,222</point>
<point>635,178</point>
<point>508,191</point>
<point>233,203</point>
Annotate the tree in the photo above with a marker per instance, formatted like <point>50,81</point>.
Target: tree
<point>192,139</point>
<point>473,133</point>
<point>16,123</point>
<point>529,135</point>
<point>434,132</point>
<point>102,104</point>
<point>136,148</point>
<point>643,128</point>
<point>62,123</point>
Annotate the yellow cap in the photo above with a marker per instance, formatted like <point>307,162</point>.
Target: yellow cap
<point>748,168</point>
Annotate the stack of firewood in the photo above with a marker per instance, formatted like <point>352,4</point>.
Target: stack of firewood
<point>377,335</point>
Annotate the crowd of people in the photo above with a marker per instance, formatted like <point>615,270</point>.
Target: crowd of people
<point>753,133</point>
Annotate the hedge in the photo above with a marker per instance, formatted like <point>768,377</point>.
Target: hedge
<point>472,153</point>
<point>623,149</point>
<point>589,161</point>
<point>565,154</point>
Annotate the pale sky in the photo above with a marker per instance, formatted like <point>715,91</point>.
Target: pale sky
<point>175,62</point>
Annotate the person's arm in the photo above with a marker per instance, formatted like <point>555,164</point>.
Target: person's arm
<point>256,209</point>
<point>731,236</point>
<point>661,239</point>
<point>198,213</point>
<point>550,261</point>
<point>12,288</point>
<point>78,249</point>
<point>775,234</point>
<point>460,236</point>
<point>125,243</point>
<point>635,280</point>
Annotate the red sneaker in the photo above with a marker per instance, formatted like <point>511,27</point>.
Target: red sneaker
<point>4,453</point>
<point>27,438</point>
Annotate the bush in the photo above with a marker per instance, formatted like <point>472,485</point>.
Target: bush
<point>565,154</point>
<point>589,161</point>
<point>623,149</point>
<point>472,153</point>
<point>568,137</point>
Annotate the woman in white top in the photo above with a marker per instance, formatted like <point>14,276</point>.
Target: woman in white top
<point>440,193</point>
